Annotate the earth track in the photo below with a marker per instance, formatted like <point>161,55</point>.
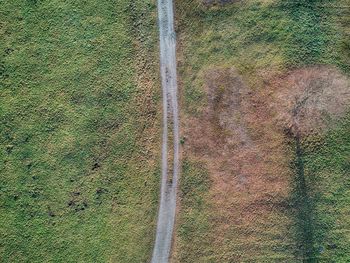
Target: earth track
<point>167,207</point>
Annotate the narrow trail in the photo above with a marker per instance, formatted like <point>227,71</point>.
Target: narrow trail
<point>167,207</point>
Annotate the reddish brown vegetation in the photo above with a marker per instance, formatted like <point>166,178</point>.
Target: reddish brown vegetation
<point>243,149</point>
<point>241,136</point>
<point>307,100</point>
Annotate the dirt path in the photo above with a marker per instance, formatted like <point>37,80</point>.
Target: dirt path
<point>167,207</point>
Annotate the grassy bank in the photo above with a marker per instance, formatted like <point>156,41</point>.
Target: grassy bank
<point>262,40</point>
<point>79,131</point>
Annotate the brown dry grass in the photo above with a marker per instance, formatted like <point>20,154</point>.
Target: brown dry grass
<point>243,150</point>
<point>241,135</point>
<point>309,99</point>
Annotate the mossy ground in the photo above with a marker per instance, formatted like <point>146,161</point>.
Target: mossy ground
<point>262,39</point>
<point>79,130</point>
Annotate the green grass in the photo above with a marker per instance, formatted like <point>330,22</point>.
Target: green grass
<point>255,36</point>
<point>272,37</point>
<point>78,181</point>
<point>194,243</point>
<point>326,169</point>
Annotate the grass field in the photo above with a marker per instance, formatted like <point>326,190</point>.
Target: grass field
<point>79,124</point>
<point>326,171</point>
<point>305,219</point>
<point>80,135</point>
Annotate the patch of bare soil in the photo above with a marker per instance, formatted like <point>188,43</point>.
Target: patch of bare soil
<point>309,99</point>
<point>243,149</point>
